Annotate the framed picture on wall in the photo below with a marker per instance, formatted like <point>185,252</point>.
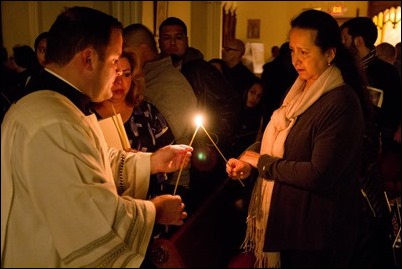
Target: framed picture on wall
<point>253,28</point>
<point>160,14</point>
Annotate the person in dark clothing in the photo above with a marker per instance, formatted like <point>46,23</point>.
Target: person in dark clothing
<point>26,65</point>
<point>360,35</point>
<point>278,75</point>
<point>216,100</point>
<point>221,66</point>
<point>397,62</point>
<point>7,82</point>
<point>218,103</point>
<point>40,47</point>
<point>250,119</point>
<point>239,75</point>
<point>375,247</point>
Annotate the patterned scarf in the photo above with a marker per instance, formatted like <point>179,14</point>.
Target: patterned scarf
<point>295,103</point>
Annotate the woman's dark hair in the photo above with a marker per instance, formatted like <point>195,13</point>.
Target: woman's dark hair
<point>250,83</point>
<point>39,38</point>
<point>329,36</point>
<point>76,29</point>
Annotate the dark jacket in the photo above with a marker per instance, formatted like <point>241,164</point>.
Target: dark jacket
<point>278,76</point>
<point>384,76</point>
<point>316,198</point>
<point>216,99</point>
<point>240,77</point>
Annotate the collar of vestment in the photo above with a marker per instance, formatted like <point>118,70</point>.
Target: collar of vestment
<point>47,81</point>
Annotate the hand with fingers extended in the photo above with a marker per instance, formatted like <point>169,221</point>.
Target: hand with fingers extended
<point>169,210</point>
<point>170,158</point>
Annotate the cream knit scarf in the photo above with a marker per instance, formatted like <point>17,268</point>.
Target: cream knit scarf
<point>295,103</point>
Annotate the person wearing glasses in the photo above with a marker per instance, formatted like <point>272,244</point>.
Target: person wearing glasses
<point>240,76</point>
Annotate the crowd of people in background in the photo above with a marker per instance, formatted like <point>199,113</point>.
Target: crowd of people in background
<point>304,132</point>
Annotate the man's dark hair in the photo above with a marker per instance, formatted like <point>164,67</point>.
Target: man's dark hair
<point>76,29</point>
<point>364,27</point>
<point>25,56</point>
<point>173,21</point>
<point>136,34</point>
<point>4,54</point>
<point>284,49</point>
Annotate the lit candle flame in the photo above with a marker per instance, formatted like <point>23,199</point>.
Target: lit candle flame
<point>198,120</point>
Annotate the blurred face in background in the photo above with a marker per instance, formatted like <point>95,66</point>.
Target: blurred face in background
<point>10,64</point>
<point>254,95</point>
<point>173,41</point>
<point>231,53</point>
<point>349,41</point>
<point>41,51</point>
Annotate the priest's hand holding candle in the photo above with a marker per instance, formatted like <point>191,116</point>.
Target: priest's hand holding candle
<point>169,158</point>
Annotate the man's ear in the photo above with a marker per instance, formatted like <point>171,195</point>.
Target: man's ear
<point>87,57</point>
<point>359,41</point>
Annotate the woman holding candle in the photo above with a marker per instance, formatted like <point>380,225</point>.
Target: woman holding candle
<point>306,201</point>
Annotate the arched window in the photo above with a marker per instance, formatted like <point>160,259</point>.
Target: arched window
<point>388,25</point>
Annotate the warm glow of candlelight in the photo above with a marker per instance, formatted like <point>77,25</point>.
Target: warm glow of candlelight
<point>198,120</point>
<point>213,142</point>
<point>216,146</point>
